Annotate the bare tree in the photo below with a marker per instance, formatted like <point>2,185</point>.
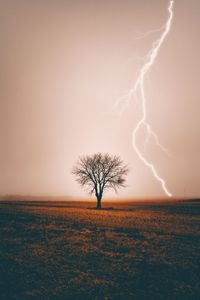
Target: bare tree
<point>99,172</point>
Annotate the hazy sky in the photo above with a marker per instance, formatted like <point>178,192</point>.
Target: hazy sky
<point>63,66</point>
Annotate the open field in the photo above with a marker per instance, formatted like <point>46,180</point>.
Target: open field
<point>129,250</point>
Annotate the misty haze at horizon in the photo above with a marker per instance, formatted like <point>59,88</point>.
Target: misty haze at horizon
<point>64,66</point>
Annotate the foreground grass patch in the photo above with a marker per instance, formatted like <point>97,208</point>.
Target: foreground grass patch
<point>149,252</point>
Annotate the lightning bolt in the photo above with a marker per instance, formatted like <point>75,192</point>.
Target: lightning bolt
<point>138,87</point>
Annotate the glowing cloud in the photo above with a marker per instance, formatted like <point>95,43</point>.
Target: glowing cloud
<point>138,87</point>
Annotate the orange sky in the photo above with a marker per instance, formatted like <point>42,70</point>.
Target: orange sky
<point>64,64</point>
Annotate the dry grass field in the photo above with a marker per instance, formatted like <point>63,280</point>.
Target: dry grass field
<point>128,250</point>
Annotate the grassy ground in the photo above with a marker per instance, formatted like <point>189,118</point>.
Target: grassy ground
<point>132,251</point>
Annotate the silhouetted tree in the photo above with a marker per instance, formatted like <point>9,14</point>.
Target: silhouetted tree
<point>100,172</point>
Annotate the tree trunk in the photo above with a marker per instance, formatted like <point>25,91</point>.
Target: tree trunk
<point>99,197</point>
<point>98,203</point>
